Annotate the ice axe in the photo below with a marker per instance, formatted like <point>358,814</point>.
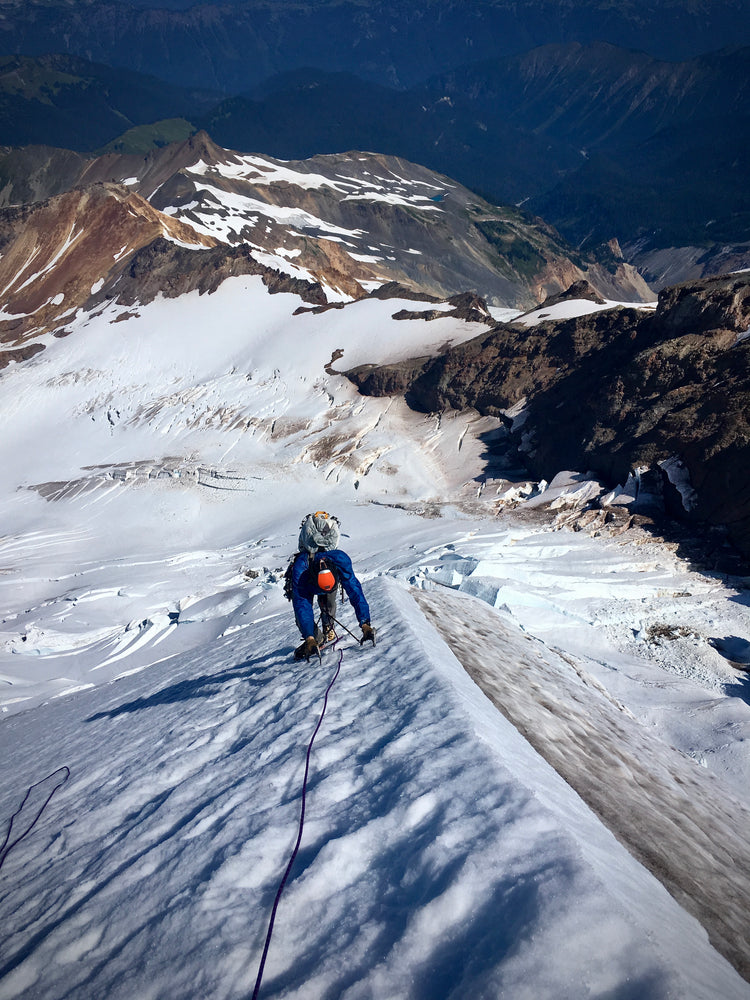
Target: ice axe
<point>360,641</point>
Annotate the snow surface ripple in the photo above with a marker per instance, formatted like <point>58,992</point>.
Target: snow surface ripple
<point>441,857</point>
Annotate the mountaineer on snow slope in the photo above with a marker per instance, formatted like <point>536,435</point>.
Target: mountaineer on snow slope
<point>317,570</point>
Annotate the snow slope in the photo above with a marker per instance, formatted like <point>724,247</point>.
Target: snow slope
<point>154,468</point>
<point>441,856</point>
<point>569,308</point>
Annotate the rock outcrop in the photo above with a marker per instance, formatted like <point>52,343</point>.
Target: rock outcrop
<point>56,253</point>
<point>614,391</point>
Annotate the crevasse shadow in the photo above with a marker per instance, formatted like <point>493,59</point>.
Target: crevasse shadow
<point>196,687</point>
<point>736,651</point>
<point>741,689</point>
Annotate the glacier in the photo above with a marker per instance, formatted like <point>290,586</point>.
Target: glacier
<point>487,781</point>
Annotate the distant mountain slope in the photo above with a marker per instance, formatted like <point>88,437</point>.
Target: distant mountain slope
<point>666,147</point>
<point>600,96</point>
<point>70,102</point>
<point>233,45</point>
<point>684,186</point>
<point>345,224</point>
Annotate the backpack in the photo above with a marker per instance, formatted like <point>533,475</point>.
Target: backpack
<point>288,588</point>
<point>319,531</point>
<point>327,579</point>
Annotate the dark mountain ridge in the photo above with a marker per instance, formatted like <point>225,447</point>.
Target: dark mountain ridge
<point>601,95</point>
<point>601,141</point>
<point>231,46</point>
<point>67,101</point>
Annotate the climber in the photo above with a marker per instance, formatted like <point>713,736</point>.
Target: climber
<point>318,569</point>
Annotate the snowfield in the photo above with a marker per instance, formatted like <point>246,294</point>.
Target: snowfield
<point>534,786</point>
<point>441,855</point>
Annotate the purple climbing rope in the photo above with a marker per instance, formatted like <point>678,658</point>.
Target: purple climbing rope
<point>9,844</point>
<point>285,876</point>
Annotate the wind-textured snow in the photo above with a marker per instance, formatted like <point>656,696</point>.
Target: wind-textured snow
<point>154,468</point>
<point>441,856</point>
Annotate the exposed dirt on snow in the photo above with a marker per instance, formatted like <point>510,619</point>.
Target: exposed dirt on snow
<point>676,818</point>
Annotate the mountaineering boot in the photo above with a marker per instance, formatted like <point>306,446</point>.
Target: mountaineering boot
<point>368,633</point>
<point>328,633</point>
<point>307,649</point>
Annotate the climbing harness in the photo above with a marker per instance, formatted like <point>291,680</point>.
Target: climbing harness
<point>285,876</point>
<point>9,844</point>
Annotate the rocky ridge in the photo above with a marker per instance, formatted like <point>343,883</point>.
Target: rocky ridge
<point>616,392</point>
<point>56,256</point>
<point>76,231</point>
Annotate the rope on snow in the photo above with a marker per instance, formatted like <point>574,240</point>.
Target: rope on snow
<point>285,876</point>
<point>9,844</point>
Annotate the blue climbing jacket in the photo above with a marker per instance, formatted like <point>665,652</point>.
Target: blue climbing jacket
<point>305,588</point>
